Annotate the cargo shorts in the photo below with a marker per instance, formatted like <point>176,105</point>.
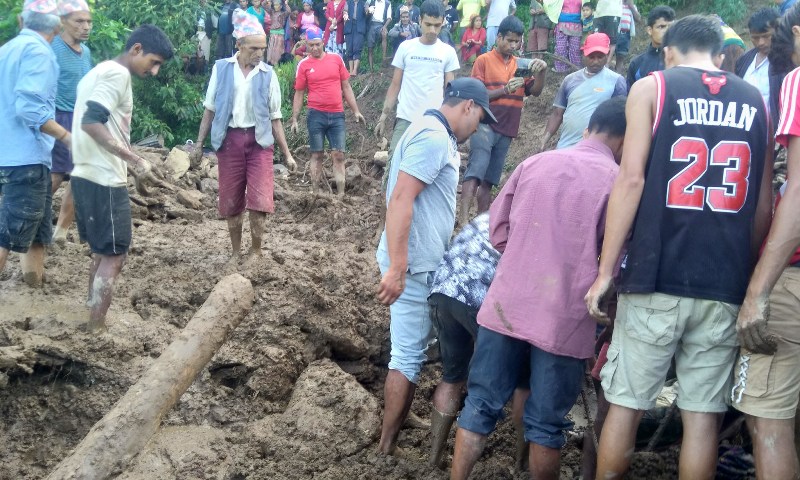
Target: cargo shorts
<point>652,328</point>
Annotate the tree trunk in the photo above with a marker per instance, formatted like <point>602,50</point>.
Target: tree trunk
<point>119,436</point>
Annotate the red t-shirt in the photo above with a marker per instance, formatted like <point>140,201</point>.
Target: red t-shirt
<point>322,77</point>
<point>789,125</point>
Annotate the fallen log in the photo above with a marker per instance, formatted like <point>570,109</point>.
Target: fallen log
<point>119,436</point>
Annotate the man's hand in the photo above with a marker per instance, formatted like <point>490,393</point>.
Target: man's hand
<point>294,127</point>
<point>391,286</point>
<point>538,65</point>
<point>514,84</point>
<point>751,326</point>
<point>597,299</point>
<point>359,118</point>
<point>381,126</point>
<point>290,163</point>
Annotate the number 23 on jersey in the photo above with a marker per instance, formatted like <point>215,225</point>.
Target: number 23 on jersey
<point>682,189</point>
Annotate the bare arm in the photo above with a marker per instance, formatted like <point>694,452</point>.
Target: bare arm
<point>280,139</point>
<point>297,104</point>
<point>398,224</point>
<point>553,123</point>
<point>205,127</point>
<point>763,215</point>
<point>448,77</point>
<point>394,90</point>
<point>627,190</point>
<point>535,88</point>
<point>350,97</point>
<point>100,134</point>
<point>52,128</point>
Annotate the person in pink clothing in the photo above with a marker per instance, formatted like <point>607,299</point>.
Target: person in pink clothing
<point>473,40</point>
<point>548,223</point>
<point>568,33</point>
<point>335,27</point>
<point>306,18</point>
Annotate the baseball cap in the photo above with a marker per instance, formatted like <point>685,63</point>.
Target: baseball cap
<point>473,89</point>
<point>596,42</point>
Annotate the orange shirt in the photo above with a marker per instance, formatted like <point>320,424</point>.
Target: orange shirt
<point>495,71</point>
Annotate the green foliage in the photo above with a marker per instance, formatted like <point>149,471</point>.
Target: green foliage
<point>9,9</point>
<point>286,74</point>
<point>108,37</point>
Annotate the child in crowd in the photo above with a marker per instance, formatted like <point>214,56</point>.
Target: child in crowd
<point>539,29</point>
<point>587,18</point>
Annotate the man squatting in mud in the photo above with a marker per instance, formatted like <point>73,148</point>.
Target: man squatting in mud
<point>243,92</point>
<point>421,207</point>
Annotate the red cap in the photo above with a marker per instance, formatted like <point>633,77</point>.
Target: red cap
<point>596,42</point>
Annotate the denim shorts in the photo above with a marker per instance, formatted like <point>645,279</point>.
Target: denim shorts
<point>410,328</point>
<point>487,155</point>
<point>103,215</point>
<point>322,125</point>
<point>555,382</point>
<point>456,327</point>
<point>26,206</point>
<point>623,43</point>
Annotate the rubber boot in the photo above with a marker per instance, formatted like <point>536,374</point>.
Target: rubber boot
<point>440,430</point>
<point>521,454</point>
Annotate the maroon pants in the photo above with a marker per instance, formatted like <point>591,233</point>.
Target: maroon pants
<point>246,178</point>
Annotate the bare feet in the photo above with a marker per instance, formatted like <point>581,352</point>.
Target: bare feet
<point>94,327</point>
<point>253,257</point>
<point>32,279</point>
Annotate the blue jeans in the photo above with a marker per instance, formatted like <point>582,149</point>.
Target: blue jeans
<point>322,125</point>
<point>410,328</point>
<point>26,215</point>
<point>555,382</point>
<point>491,37</point>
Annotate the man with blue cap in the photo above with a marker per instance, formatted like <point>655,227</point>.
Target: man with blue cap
<point>28,130</point>
<point>421,212</point>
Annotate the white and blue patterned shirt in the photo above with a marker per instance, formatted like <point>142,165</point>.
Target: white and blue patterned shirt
<point>468,266</point>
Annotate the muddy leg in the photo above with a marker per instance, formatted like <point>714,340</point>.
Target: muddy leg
<point>517,409</point>
<point>338,172</point>
<point>773,445</point>
<point>32,264</point>
<point>398,393</point>
<point>699,445</point>
<point>3,258</point>
<point>102,290</point>
<point>468,189</point>
<point>469,447</point>
<point>235,231</point>
<point>355,67</point>
<point>446,401</point>
<point>92,273</point>
<point>316,171</point>
<point>65,216</point>
<point>545,462</point>
<point>257,220</point>
<point>484,197</point>
<point>617,441</point>
<point>589,453</point>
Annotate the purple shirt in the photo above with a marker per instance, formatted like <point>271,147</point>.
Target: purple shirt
<point>548,222</point>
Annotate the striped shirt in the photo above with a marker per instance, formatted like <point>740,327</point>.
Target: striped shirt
<point>73,67</point>
<point>626,21</point>
<point>789,125</point>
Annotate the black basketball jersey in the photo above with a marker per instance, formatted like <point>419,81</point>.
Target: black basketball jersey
<point>692,233</point>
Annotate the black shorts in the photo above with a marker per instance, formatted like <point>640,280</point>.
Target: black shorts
<point>103,215</point>
<point>609,26</point>
<point>456,326</point>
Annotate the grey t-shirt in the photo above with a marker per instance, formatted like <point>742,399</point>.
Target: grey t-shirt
<point>427,152</point>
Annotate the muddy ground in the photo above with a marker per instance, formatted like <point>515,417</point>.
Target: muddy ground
<point>295,392</point>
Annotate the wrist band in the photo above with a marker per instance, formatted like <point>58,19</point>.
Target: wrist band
<point>66,132</point>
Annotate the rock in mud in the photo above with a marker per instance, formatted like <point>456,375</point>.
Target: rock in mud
<point>209,185</point>
<point>191,199</point>
<point>381,158</point>
<point>213,172</point>
<point>177,162</point>
<point>352,173</point>
<point>281,172</point>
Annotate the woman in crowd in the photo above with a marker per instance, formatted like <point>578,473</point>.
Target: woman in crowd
<point>334,32</point>
<point>568,35</point>
<point>473,39</point>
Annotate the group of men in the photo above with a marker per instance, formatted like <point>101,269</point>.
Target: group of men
<point>671,189</point>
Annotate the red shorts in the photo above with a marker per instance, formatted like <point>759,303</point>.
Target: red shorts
<point>246,178</point>
<point>602,359</point>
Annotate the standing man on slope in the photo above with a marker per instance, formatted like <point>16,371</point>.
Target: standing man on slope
<point>652,60</point>
<point>75,61</point>
<point>498,10</point>
<point>326,78</point>
<point>104,107</point>
<point>243,115</point>
<point>695,190</point>
<point>29,74</point>
<point>489,146</point>
<point>421,210</point>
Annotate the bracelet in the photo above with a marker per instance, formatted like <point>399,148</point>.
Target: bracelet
<point>62,137</point>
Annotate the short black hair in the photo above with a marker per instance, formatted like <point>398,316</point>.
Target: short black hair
<point>588,4</point>
<point>660,12</point>
<point>609,118</point>
<point>780,54</point>
<point>700,33</point>
<point>153,40</point>
<point>431,8</point>
<point>511,24</point>
<point>763,20</point>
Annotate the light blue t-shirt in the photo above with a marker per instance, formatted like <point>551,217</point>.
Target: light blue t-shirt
<point>427,152</point>
<point>28,80</point>
<point>580,95</point>
<point>73,67</point>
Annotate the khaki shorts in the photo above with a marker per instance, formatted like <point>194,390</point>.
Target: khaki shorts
<point>770,384</point>
<point>652,328</point>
